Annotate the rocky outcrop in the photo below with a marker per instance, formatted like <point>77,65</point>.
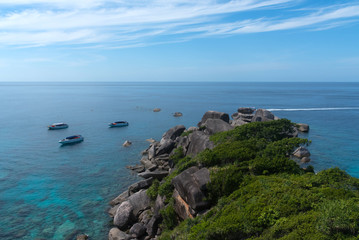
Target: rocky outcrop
<point>155,174</point>
<point>174,132</point>
<point>140,202</point>
<point>140,185</point>
<point>216,125</point>
<point>124,215</point>
<point>199,141</point>
<point>117,234</point>
<point>182,208</point>
<point>214,115</point>
<point>263,115</point>
<point>166,146</point>
<point>138,230</point>
<point>246,110</point>
<point>301,152</point>
<point>302,127</point>
<point>188,184</point>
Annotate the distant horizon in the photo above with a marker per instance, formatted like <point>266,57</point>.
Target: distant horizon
<point>179,40</point>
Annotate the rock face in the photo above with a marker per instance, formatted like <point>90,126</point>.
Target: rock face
<point>174,132</point>
<point>246,110</point>
<point>262,115</point>
<point>214,115</point>
<point>182,209</point>
<point>302,127</point>
<point>124,215</point>
<point>140,185</point>
<point>199,141</point>
<point>117,234</point>
<point>189,184</point>
<point>216,125</point>
<point>166,146</point>
<point>140,202</point>
<point>301,152</point>
<point>138,230</point>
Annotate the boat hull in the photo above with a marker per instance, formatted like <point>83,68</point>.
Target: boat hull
<point>57,127</point>
<point>111,125</point>
<point>71,141</point>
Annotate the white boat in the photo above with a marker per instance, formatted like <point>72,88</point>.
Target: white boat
<point>118,124</point>
<point>72,139</point>
<point>56,126</point>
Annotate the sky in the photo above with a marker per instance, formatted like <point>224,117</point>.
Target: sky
<point>179,40</point>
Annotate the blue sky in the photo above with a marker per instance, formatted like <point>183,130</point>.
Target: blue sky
<point>179,40</point>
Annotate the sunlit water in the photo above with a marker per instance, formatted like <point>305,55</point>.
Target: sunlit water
<point>53,192</point>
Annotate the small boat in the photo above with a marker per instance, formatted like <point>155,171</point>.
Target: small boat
<point>56,126</point>
<point>118,124</point>
<point>72,139</point>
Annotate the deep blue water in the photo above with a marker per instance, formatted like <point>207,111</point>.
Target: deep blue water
<point>53,192</point>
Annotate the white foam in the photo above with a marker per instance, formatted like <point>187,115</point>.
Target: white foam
<point>312,109</point>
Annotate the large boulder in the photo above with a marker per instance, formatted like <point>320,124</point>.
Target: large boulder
<point>155,174</point>
<point>238,122</point>
<point>152,225</point>
<point>182,208</point>
<point>301,152</point>
<point>246,110</point>
<point>242,116</point>
<point>263,115</point>
<point>166,146</point>
<point>140,185</point>
<point>216,125</point>
<point>138,230</point>
<point>174,132</point>
<point>140,202</point>
<point>189,187</point>
<point>302,127</point>
<point>124,215</point>
<point>214,115</point>
<point>152,151</point>
<point>199,141</point>
<point>117,234</point>
<point>159,204</point>
<point>120,198</point>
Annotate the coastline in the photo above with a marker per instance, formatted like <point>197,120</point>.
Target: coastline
<point>137,215</point>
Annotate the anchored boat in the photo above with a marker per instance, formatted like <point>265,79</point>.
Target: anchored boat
<point>72,139</point>
<point>56,126</point>
<point>118,124</point>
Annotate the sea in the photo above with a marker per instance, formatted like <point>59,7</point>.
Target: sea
<point>48,191</point>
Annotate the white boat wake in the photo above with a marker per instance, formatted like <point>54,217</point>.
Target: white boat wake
<point>312,109</point>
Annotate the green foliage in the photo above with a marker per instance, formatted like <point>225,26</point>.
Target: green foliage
<point>224,181</point>
<point>177,155</point>
<point>339,217</point>
<point>152,191</point>
<point>271,131</point>
<point>257,192</point>
<point>186,133</point>
<point>169,216</point>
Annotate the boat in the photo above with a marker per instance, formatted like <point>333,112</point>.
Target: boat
<point>56,126</point>
<point>118,124</point>
<point>72,139</point>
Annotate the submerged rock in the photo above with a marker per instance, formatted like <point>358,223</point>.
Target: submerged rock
<point>177,114</point>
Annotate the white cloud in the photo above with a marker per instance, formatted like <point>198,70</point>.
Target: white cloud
<point>119,23</point>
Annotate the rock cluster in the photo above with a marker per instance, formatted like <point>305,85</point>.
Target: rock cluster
<point>135,216</point>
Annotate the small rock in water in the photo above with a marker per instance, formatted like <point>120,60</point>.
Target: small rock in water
<point>151,140</point>
<point>82,237</point>
<point>127,143</point>
<point>177,114</point>
<point>157,109</point>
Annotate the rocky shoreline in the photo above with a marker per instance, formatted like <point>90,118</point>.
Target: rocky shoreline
<point>136,216</point>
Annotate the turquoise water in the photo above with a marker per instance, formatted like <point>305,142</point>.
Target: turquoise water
<point>53,192</point>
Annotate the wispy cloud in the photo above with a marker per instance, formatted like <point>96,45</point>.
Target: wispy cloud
<point>119,23</point>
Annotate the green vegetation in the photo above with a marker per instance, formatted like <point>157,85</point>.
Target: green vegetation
<point>257,192</point>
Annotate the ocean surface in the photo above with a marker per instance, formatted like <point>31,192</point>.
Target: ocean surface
<point>53,192</point>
